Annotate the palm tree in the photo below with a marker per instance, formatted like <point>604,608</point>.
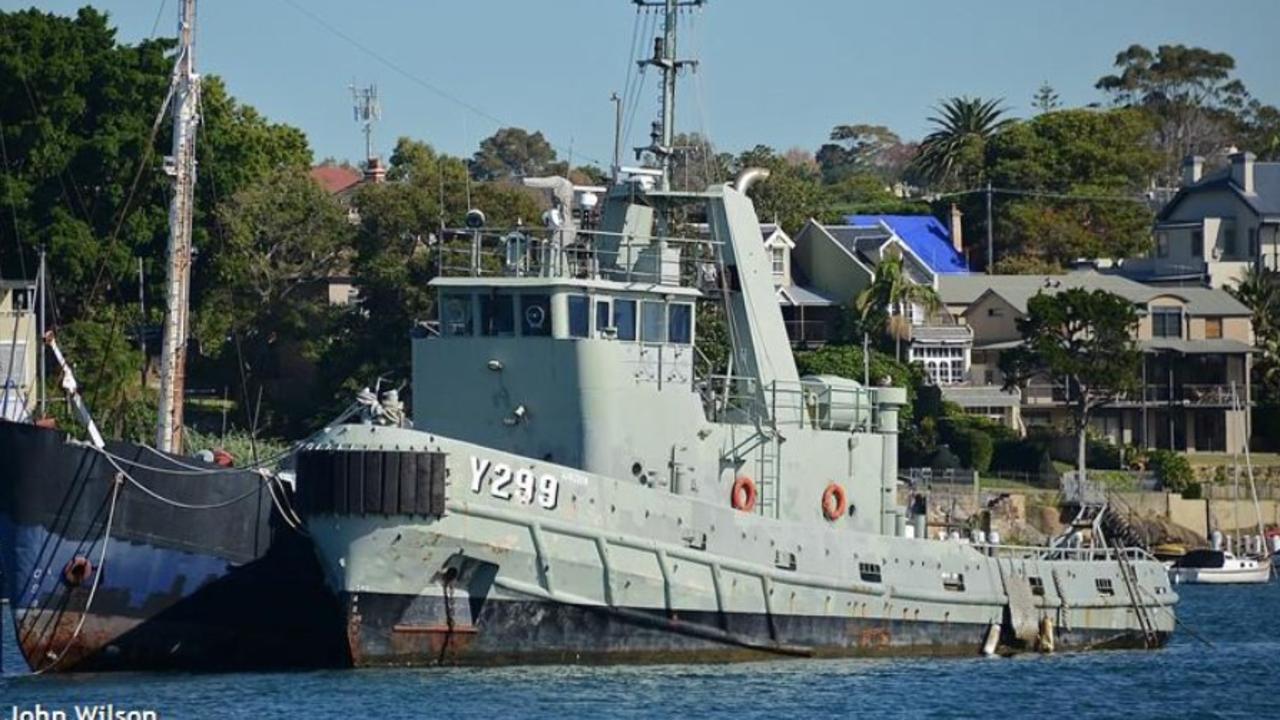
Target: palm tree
<point>964,125</point>
<point>891,294</point>
<point>1259,290</point>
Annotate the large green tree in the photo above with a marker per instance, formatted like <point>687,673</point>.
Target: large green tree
<point>1079,177</point>
<point>863,149</point>
<point>267,307</point>
<point>1084,340</point>
<point>514,152</point>
<point>954,154</point>
<point>792,194</point>
<point>1193,94</point>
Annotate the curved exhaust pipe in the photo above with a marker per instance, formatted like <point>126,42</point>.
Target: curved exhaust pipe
<point>749,177</point>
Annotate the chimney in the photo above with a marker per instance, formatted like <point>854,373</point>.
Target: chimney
<point>1242,170</point>
<point>1192,169</point>
<point>957,232</point>
<point>374,172</point>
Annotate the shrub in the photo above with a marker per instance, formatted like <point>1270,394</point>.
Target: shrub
<point>1173,470</point>
<point>972,445</point>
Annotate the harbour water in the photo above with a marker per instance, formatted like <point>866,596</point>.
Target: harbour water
<point>1235,678</point>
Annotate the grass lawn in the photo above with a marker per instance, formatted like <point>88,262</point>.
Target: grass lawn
<point>1217,458</point>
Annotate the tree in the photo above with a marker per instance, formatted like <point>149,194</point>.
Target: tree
<point>1083,339</point>
<point>1259,291</point>
<point>861,150</point>
<point>1046,99</point>
<point>888,300</point>
<point>1189,90</point>
<point>954,152</point>
<point>792,194</point>
<point>1100,157</point>
<point>696,165</point>
<point>513,153</point>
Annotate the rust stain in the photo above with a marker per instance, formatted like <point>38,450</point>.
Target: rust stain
<point>50,643</point>
<point>873,638</point>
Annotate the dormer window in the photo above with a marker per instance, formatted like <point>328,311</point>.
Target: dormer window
<point>779,258</point>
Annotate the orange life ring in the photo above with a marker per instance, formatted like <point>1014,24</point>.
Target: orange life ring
<point>78,570</point>
<point>744,494</point>
<point>834,502</point>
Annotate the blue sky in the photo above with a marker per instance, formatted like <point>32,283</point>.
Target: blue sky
<point>777,72</point>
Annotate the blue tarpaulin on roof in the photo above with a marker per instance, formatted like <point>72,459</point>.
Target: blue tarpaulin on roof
<point>926,237</point>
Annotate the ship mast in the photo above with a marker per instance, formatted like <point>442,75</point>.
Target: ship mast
<point>181,166</point>
<point>664,58</point>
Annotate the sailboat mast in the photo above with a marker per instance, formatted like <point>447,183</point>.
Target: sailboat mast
<point>182,167</point>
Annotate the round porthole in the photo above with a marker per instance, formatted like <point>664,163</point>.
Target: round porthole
<point>536,316</point>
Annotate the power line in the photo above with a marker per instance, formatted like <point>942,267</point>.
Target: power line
<point>394,67</point>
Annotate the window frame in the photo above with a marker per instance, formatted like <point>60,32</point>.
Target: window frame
<point>632,329</point>
<point>585,303</point>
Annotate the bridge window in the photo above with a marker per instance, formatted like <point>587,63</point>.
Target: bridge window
<point>624,318</point>
<point>455,315</point>
<point>680,324</point>
<point>535,315</point>
<point>604,318</point>
<point>579,316</point>
<point>653,327</point>
<point>496,315</point>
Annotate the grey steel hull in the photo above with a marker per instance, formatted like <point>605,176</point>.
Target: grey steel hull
<point>432,570</point>
<point>414,630</point>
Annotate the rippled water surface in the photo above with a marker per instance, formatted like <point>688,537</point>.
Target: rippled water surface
<point>1237,677</point>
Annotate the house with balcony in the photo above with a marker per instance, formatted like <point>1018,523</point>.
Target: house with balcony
<point>831,264</point>
<point>1216,226</point>
<point>19,349</point>
<point>1196,342</point>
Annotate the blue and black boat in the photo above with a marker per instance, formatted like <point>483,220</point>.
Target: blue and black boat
<point>125,558</point>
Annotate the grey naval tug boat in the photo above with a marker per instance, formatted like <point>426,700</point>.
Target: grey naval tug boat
<point>576,487</point>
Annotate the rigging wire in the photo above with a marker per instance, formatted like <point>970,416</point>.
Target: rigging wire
<point>396,68</point>
<point>637,89</point>
<point>155,26</point>
<point>97,580</point>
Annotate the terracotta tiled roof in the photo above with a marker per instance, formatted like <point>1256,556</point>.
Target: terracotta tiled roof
<point>334,178</point>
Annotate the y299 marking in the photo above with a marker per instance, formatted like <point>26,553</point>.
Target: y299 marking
<point>527,486</point>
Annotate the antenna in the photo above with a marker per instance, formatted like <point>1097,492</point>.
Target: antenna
<point>367,110</point>
<point>664,58</point>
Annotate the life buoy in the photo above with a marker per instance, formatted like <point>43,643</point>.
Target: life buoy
<point>78,570</point>
<point>834,502</point>
<point>744,494</point>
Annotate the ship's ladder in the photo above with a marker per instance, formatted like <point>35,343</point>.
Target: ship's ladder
<point>769,473</point>
<point>1130,577</point>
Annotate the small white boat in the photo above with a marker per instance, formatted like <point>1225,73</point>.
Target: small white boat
<point>1219,567</point>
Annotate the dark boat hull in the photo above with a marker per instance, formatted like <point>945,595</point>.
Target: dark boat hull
<point>221,588</point>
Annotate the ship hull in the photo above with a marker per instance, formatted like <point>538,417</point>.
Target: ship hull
<point>414,630</point>
<point>436,565</point>
<point>218,588</point>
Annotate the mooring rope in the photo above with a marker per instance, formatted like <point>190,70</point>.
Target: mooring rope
<point>97,579</point>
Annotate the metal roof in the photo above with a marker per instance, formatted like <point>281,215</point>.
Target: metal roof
<point>1018,289</point>
<point>928,238</point>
